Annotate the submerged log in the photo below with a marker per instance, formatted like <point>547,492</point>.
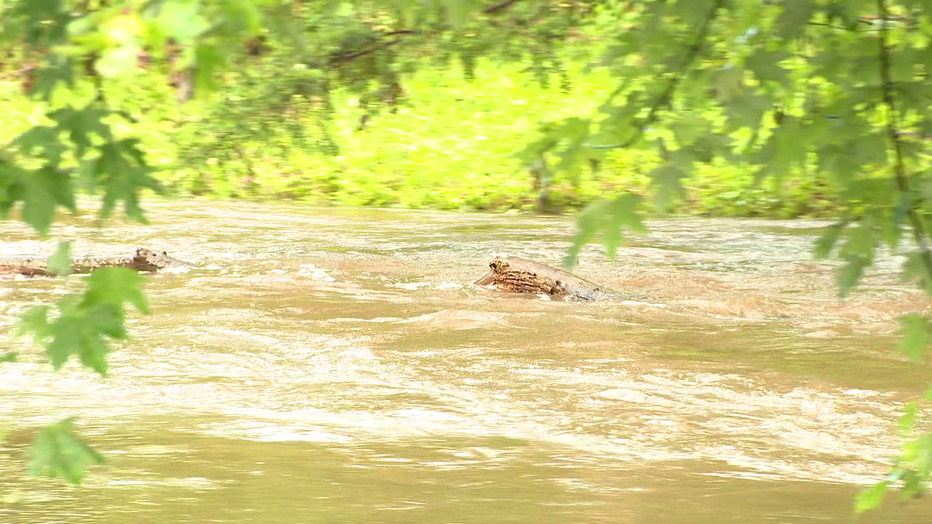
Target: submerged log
<point>519,275</point>
<point>144,260</point>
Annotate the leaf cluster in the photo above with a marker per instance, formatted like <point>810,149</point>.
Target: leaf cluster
<point>84,323</point>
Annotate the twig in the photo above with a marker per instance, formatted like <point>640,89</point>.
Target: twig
<point>499,6</point>
<point>356,54</point>
<point>839,27</point>
<point>341,59</point>
<point>667,94</point>
<point>919,233</point>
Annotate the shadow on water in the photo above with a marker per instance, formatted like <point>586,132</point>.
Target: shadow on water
<point>337,365</point>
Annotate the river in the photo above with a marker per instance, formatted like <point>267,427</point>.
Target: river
<point>336,365</point>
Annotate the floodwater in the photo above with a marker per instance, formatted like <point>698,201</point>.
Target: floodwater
<point>332,365</point>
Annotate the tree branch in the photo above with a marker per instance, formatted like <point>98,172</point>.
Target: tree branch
<point>341,59</point>
<point>667,94</point>
<point>356,54</point>
<point>499,6</point>
<point>899,169</point>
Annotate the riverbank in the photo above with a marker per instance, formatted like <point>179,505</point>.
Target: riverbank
<point>450,145</point>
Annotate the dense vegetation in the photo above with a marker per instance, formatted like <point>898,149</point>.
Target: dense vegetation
<point>826,101</point>
<point>451,146</point>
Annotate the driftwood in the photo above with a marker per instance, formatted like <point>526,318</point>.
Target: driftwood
<point>519,275</point>
<point>145,260</point>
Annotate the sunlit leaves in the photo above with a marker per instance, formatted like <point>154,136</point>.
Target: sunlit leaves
<point>58,452</point>
<point>183,21</point>
<point>83,322</point>
<point>566,140</point>
<point>575,132</point>
<point>121,56</point>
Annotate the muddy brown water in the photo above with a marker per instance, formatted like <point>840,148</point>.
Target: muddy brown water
<point>328,365</point>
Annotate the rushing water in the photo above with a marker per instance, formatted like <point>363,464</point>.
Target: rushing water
<point>330,365</point>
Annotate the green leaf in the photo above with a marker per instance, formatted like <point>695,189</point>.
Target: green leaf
<point>871,498</point>
<point>850,273</point>
<point>44,138</point>
<point>209,59</point>
<point>825,243</point>
<point>35,321</point>
<point>458,11</point>
<point>728,82</point>
<point>82,125</point>
<point>765,64</point>
<point>182,20</point>
<point>746,110</point>
<point>59,70</point>
<point>690,127</point>
<point>915,267</point>
<point>116,286</point>
<point>241,15</point>
<point>908,420</point>
<point>608,218</point>
<point>57,451</point>
<point>784,149</point>
<point>575,132</point>
<point>122,168</point>
<point>118,61</point>
<point>858,254</point>
<point>8,356</point>
<point>668,179</point>
<point>893,230</point>
<point>84,321</point>
<point>42,191</point>
<point>914,333</point>
<point>60,262</point>
<point>80,331</point>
